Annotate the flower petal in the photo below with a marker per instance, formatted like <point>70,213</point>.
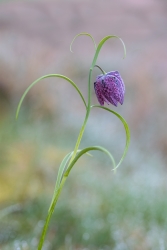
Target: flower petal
<point>110,88</point>
<point>99,95</point>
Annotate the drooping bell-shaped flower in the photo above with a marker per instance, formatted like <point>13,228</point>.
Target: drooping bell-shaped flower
<point>110,88</point>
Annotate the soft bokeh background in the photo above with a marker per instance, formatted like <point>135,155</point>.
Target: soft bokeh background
<point>97,209</point>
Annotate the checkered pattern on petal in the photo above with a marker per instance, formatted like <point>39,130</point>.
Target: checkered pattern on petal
<point>110,88</point>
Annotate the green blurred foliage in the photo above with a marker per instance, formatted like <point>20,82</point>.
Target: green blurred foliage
<point>97,209</point>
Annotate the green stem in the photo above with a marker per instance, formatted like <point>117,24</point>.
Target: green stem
<point>86,117</point>
<point>50,213</point>
<point>100,69</point>
<point>53,204</point>
<point>51,210</point>
<point>80,135</point>
<point>62,183</point>
<point>56,196</point>
<point>88,107</point>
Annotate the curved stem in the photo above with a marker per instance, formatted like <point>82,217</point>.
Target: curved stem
<point>100,69</point>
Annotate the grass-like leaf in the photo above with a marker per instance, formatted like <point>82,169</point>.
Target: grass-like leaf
<point>47,76</point>
<point>61,171</point>
<point>61,180</point>
<point>126,127</point>
<point>84,151</point>
<point>82,34</point>
<point>101,44</point>
<point>62,168</point>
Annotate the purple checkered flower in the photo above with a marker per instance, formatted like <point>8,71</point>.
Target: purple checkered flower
<point>110,88</point>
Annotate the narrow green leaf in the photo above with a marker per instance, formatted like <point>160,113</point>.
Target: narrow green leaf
<point>85,150</point>
<point>80,34</point>
<point>62,168</point>
<point>47,76</point>
<point>61,171</point>
<point>101,44</point>
<point>127,130</point>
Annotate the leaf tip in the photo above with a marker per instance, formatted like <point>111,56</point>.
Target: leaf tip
<point>71,49</point>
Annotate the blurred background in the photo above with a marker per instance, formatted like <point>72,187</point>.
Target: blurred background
<point>97,208</point>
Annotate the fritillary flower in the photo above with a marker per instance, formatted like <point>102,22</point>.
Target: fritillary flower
<point>110,88</point>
